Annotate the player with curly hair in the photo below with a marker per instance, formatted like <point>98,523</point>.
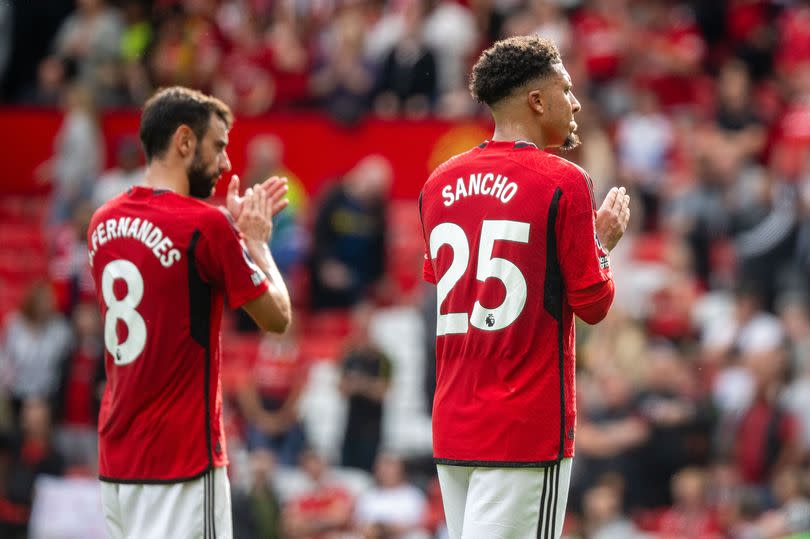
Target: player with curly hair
<point>516,246</point>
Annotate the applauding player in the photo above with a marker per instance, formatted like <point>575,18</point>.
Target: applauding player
<point>163,262</point>
<point>516,247</point>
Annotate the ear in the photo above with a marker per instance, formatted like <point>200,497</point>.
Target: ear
<point>184,140</point>
<point>535,101</point>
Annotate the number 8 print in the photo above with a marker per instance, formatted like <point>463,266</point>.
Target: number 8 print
<point>510,275</point>
<point>124,310</point>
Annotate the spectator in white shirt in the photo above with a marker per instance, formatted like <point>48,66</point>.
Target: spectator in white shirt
<point>393,508</point>
<point>33,348</point>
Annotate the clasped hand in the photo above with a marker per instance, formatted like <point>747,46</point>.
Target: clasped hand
<point>612,217</point>
<point>254,211</point>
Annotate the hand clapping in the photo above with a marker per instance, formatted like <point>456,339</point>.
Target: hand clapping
<point>254,211</point>
<point>612,217</point>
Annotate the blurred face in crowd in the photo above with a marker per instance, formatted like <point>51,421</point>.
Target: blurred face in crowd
<point>666,372</point>
<point>558,108</point>
<point>733,85</point>
<point>370,179</point>
<point>264,158</point>
<point>615,389</point>
<point>388,471</point>
<point>199,7</point>
<point>86,320</point>
<point>313,465</point>
<point>746,306</point>
<point>89,5</point>
<point>688,487</point>
<point>210,159</point>
<point>39,303</point>
<point>767,367</point>
<point>601,505</point>
<point>361,322</point>
<point>51,74</point>
<point>786,485</point>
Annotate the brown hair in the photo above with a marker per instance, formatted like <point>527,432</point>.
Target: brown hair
<point>30,303</point>
<point>172,107</point>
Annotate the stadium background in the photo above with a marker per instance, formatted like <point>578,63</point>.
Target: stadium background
<point>694,394</point>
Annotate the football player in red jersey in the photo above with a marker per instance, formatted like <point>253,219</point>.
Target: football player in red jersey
<point>516,247</point>
<point>164,262</point>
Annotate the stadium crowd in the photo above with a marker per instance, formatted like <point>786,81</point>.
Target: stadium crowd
<point>694,393</point>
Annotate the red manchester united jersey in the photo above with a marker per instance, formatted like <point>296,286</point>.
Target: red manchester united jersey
<point>163,264</point>
<point>509,232</point>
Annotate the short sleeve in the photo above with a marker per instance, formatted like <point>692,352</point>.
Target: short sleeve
<point>225,261</point>
<point>583,260</point>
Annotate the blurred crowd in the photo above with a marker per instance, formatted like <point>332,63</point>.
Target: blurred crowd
<point>694,394</point>
<point>400,57</point>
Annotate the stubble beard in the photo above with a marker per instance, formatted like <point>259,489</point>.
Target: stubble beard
<point>570,142</point>
<point>200,182</point>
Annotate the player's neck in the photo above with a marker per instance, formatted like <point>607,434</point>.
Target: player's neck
<point>160,175</point>
<point>506,130</point>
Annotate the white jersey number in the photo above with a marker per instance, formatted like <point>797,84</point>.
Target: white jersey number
<point>124,310</point>
<point>484,318</point>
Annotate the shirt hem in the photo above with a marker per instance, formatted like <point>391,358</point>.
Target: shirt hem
<point>149,481</point>
<point>499,463</point>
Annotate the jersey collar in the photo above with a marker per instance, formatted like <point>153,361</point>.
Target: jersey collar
<point>142,190</point>
<point>504,144</point>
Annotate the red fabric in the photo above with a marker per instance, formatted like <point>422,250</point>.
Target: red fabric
<point>79,391</point>
<point>752,439</point>
<point>291,86</point>
<point>434,514</point>
<point>68,269</point>
<point>414,148</point>
<point>792,139</point>
<point>794,126</point>
<point>158,419</point>
<point>669,317</point>
<point>745,18</point>
<point>498,395</point>
<point>678,524</point>
<point>319,504</point>
<point>33,452</point>
<point>14,513</point>
<point>278,371</point>
<point>245,68</point>
<point>593,303</point>
<point>794,37</point>
<point>601,43</point>
<point>681,38</point>
<point>321,500</point>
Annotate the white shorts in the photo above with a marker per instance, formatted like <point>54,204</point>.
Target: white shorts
<point>197,509</point>
<point>505,503</point>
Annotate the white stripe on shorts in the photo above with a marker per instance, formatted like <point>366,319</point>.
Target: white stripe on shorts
<point>546,523</point>
<point>508,503</point>
<point>187,510</point>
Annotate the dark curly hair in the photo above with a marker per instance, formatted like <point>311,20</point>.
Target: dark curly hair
<point>509,64</point>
